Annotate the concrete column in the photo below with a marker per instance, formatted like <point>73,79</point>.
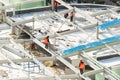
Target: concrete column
<point>33,25</point>
<point>52,3</point>
<point>13,29</point>
<point>13,11</point>
<point>74,14</point>
<point>97,32</point>
<point>3,13</point>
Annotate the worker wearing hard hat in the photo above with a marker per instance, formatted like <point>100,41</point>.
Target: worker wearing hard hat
<point>81,66</point>
<point>56,6</point>
<point>46,41</point>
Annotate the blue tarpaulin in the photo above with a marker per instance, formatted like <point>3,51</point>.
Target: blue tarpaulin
<point>91,45</point>
<point>109,24</point>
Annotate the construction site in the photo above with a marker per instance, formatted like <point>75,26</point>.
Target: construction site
<point>91,36</point>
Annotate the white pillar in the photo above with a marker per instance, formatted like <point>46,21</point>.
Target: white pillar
<point>97,32</point>
<point>33,25</point>
<point>3,13</point>
<point>52,3</point>
<point>14,11</point>
<point>13,29</point>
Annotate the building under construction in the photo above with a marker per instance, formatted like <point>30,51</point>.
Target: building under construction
<point>93,37</point>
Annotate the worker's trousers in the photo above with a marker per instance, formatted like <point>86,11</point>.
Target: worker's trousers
<point>81,71</point>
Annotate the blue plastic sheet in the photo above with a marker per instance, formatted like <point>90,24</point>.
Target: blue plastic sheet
<point>91,45</point>
<point>109,24</point>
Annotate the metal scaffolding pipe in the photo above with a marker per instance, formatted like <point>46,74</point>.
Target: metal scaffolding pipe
<point>37,78</point>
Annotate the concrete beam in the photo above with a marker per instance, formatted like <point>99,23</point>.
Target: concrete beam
<point>40,17</point>
<point>72,76</point>
<point>7,41</point>
<point>93,72</point>
<point>104,11</point>
<point>27,60</point>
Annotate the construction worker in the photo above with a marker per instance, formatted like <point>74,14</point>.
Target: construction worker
<point>65,15</point>
<point>81,66</point>
<point>46,41</point>
<point>32,46</point>
<point>71,16</point>
<point>56,6</point>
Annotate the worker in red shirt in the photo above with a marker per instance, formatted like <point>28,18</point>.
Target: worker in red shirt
<point>56,6</point>
<point>81,66</point>
<point>71,16</point>
<point>46,41</point>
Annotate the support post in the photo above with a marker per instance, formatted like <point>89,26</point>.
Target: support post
<point>33,25</point>
<point>13,11</point>
<point>13,29</point>
<point>74,14</point>
<point>97,31</point>
<point>3,13</point>
<point>52,3</point>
